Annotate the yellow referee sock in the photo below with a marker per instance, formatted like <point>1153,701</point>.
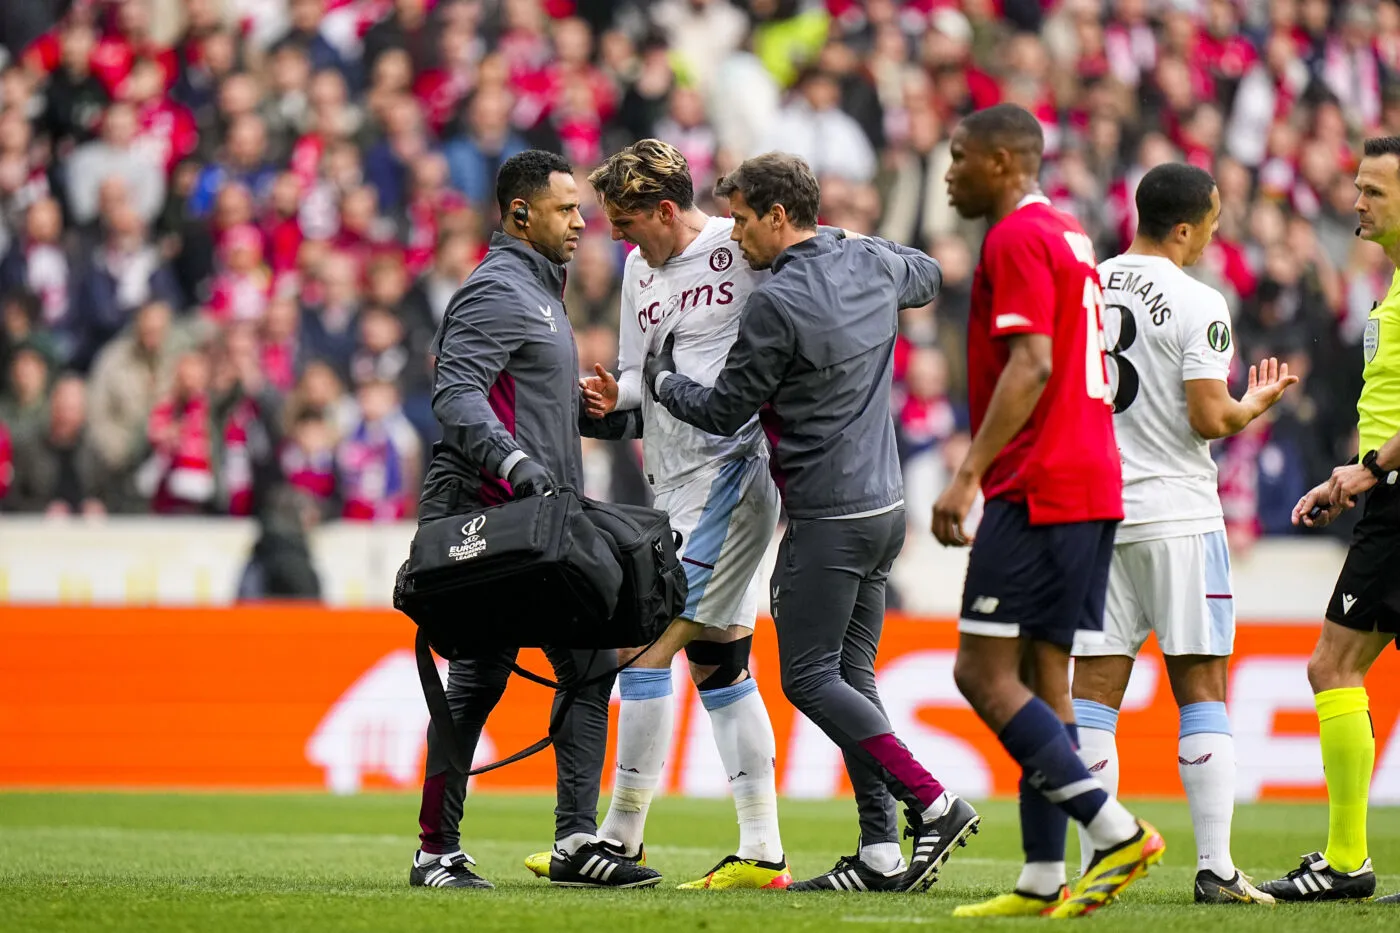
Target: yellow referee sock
<point>1348,755</point>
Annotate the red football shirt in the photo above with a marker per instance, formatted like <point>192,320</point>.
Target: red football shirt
<point>1037,275</point>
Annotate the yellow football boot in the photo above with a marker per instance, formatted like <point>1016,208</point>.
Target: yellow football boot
<point>735,872</point>
<point>538,864</point>
<point>1015,904</point>
<point>1112,871</point>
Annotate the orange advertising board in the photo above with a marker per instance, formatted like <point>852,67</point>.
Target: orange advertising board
<point>296,697</point>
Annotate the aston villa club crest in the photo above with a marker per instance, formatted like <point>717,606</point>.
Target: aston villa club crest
<point>721,258</point>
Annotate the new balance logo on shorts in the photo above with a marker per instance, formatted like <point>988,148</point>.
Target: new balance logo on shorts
<point>985,605</point>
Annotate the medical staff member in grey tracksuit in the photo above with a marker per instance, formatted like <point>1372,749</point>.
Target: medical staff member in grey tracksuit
<point>814,356</point>
<point>506,392</point>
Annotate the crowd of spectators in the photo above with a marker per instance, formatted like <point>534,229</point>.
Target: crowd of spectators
<point>229,228</point>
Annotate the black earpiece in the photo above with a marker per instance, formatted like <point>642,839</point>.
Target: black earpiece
<point>521,215</point>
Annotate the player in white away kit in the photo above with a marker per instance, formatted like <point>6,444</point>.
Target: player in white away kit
<point>686,279</point>
<point>1171,567</point>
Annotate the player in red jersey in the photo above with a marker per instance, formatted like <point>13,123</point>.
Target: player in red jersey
<point>1043,454</point>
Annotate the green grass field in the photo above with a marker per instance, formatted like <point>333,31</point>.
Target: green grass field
<point>211,863</point>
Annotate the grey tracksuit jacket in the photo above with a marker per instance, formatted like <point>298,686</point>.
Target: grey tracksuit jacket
<point>507,379</point>
<point>507,375</point>
<point>815,353</point>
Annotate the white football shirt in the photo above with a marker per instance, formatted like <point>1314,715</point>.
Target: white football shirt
<point>1161,329</point>
<point>698,295</point>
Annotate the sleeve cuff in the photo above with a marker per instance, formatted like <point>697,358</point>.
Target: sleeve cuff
<point>660,381</point>
<point>630,391</point>
<point>508,464</point>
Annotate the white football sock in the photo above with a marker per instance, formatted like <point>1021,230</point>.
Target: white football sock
<point>573,842</point>
<point>884,857</point>
<point>936,809</point>
<point>1043,879</point>
<point>744,737</point>
<point>1098,749</point>
<point>644,728</point>
<point>1206,761</point>
<point>423,858</point>
<point>1112,826</point>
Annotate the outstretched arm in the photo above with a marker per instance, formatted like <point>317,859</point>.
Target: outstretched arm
<point>1214,413</point>
<point>615,426</point>
<point>761,355</point>
<point>919,275</point>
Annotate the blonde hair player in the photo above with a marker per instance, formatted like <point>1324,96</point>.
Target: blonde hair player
<point>685,281</point>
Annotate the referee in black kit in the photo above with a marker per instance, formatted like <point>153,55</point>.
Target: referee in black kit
<point>814,352</point>
<point>506,393</point>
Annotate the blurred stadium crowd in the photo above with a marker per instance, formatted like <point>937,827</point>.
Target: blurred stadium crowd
<point>229,228</point>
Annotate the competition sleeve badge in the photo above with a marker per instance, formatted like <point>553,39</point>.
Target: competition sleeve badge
<point>1218,336</point>
<point>1371,338</point>
<point>472,542</point>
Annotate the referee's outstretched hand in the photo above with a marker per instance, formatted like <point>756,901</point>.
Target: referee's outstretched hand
<point>528,478</point>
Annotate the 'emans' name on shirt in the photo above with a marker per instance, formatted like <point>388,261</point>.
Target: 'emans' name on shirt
<point>1135,283</point>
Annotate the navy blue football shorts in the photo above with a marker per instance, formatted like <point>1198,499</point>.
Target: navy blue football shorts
<point>1043,582</point>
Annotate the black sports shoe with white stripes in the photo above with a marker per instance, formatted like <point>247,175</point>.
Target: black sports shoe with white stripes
<point>851,874</point>
<point>935,841</point>
<point>448,871</point>
<point>1315,880</point>
<point>599,865</point>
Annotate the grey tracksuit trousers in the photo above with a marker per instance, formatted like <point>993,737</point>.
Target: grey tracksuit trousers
<point>828,601</point>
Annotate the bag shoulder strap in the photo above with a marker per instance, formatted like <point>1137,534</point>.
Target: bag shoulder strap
<point>441,714</point>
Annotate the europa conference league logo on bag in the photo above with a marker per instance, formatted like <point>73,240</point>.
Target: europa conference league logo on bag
<point>473,543</point>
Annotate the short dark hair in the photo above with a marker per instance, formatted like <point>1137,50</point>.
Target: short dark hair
<point>1171,194</point>
<point>1381,146</point>
<point>526,174</point>
<point>776,178</point>
<point>642,175</point>
<point>1007,126</point>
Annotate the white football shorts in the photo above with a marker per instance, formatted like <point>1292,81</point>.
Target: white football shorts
<point>1178,588</point>
<point>726,519</point>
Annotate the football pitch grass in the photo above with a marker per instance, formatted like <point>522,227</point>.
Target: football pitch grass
<point>225,862</point>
